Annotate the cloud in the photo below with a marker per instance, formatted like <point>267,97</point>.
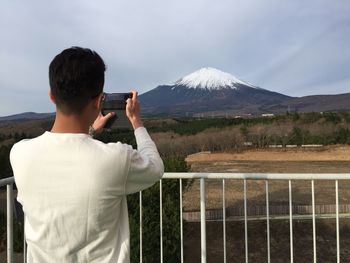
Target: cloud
<point>296,47</point>
<point>321,60</point>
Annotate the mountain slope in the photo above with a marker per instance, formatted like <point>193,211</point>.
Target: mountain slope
<point>178,100</point>
<point>206,90</point>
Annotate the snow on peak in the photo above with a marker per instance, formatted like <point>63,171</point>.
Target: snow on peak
<point>210,78</point>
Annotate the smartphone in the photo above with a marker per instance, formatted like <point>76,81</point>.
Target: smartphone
<point>116,102</point>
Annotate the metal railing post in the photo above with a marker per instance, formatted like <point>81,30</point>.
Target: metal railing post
<point>337,219</point>
<point>24,240</point>
<point>203,222</point>
<point>268,221</point>
<point>245,221</point>
<point>291,221</point>
<point>9,222</point>
<point>313,219</point>
<point>224,218</point>
<point>161,219</point>
<point>181,225</point>
<point>140,198</point>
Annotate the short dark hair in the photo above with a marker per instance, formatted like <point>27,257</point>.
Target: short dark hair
<point>76,76</point>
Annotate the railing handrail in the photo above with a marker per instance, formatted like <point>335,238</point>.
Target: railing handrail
<point>260,176</point>
<point>7,181</point>
<point>247,176</point>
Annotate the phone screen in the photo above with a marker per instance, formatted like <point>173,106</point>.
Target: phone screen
<point>116,102</point>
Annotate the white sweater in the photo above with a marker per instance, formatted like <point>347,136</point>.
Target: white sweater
<point>73,191</point>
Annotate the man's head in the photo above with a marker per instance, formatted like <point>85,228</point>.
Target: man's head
<point>76,77</point>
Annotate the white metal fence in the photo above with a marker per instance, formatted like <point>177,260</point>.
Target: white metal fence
<point>8,182</point>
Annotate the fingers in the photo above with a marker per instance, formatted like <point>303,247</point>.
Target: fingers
<point>101,120</point>
<point>130,102</point>
<point>133,110</point>
<point>109,115</point>
<point>134,95</point>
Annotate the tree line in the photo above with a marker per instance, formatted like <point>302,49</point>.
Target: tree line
<point>236,134</point>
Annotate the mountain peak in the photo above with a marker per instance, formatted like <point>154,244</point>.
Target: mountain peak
<point>210,78</point>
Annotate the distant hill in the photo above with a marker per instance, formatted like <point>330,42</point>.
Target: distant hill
<point>27,116</point>
<point>316,103</point>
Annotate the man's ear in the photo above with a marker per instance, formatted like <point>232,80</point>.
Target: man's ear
<point>52,98</point>
<point>98,101</point>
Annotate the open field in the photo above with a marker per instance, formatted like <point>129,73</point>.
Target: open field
<point>324,160</point>
<point>325,153</point>
<point>278,193</point>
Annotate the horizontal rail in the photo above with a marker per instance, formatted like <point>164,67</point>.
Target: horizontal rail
<point>259,176</point>
<point>248,176</point>
<point>7,181</point>
<point>254,210</point>
<point>277,217</point>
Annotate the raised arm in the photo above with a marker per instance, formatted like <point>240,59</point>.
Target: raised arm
<point>146,166</point>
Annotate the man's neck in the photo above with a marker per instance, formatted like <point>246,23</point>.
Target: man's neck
<point>69,124</point>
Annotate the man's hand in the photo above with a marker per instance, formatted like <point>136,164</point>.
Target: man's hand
<point>133,111</point>
<point>100,121</point>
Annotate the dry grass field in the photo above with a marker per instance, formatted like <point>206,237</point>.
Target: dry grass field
<point>325,153</point>
<point>335,159</point>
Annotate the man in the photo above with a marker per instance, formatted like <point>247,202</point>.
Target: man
<point>73,188</point>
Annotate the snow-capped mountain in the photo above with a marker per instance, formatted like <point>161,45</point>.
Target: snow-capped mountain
<point>206,90</point>
<point>211,79</point>
<point>209,90</point>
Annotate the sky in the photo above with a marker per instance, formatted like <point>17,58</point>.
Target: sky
<point>294,47</point>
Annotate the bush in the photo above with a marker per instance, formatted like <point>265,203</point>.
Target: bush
<point>151,218</point>
<point>5,166</point>
<point>342,136</point>
<point>332,117</point>
<point>18,233</point>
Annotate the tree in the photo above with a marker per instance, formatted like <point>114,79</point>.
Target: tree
<point>296,136</point>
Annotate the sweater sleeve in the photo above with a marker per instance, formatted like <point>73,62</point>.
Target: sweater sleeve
<point>146,166</point>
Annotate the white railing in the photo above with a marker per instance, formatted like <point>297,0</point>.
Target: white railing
<point>220,176</point>
<point>9,215</point>
<point>252,176</point>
